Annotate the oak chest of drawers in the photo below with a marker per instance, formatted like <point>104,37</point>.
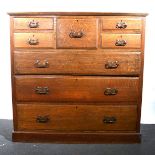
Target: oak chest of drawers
<point>77,77</point>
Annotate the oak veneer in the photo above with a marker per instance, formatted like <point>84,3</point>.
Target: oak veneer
<point>77,77</point>
<point>30,62</point>
<point>71,118</point>
<point>41,40</point>
<point>76,89</point>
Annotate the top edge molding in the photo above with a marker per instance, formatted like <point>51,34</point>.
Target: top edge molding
<point>77,14</point>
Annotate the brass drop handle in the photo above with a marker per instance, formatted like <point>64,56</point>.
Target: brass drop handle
<point>120,42</point>
<point>76,34</point>
<point>39,64</point>
<point>111,65</point>
<point>42,119</point>
<point>110,91</point>
<point>121,25</point>
<point>109,120</point>
<point>41,90</point>
<point>33,24</point>
<point>33,41</point>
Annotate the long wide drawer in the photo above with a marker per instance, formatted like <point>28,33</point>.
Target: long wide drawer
<point>76,88</point>
<point>121,41</point>
<point>34,40</point>
<point>76,117</point>
<point>77,62</point>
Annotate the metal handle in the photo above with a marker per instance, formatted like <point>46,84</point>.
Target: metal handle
<point>110,91</point>
<point>120,42</point>
<point>76,34</point>
<point>42,119</point>
<point>33,41</point>
<point>111,65</point>
<point>41,90</point>
<point>109,120</point>
<point>44,64</point>
<point>33,24</point>
<point>121,25</point>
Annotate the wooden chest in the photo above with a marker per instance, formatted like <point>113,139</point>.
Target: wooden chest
<point>77,77</point>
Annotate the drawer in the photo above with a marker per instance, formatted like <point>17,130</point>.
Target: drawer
<point>33,23</point>
<point>34,40</point>
<point>76,117</point>
<point>77,62</point>
<point>76,88</point>
<point>121,40</point>
<point>77,33</point>
<point>121,23</point>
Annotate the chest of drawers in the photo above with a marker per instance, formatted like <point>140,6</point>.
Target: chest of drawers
<point>77,77</point>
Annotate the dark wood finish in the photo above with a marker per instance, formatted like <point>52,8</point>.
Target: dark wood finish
<point>84,26</point>
<point>73,62</point>
<point>74,88</point>
<point>79,70</point>
<point>76,117</point>
<point>76,137</point>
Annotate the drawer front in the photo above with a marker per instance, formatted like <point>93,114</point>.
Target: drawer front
<point>121,40</point>
<point>77,33</point>
<point>121,23</point>
<point>76,117</point>
<point>77,62</point>
<point>76,88</point>
<point>33,23</point>
<point>34,40</point>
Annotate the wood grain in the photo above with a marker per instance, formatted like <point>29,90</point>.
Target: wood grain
<point>76,77</point>
<point>109,23</point>
<point>76,138</point>
<point>23,23</point>
<point>76,88</point>
<point>77,14</point>
<point>87,26</point>
<point>46,40</point>
<point>76,117</point>
<point>77,62</point>
<point>109,40</point>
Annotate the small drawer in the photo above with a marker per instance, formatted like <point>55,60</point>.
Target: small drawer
<point>33,23</point>
<point>52,88</point>
<point>34,40</point>
<point>77,33</point>
<point>76,117</point>
<point>77,62</point>
<point>121,23</point>
<point>121,41</point>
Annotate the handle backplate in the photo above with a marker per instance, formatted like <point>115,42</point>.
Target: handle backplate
<point>110,91</point>
<point>111,65</point>
<point>120,42</point>
<point>109,119</point>
<point>39,64</point>
<point>42,119</point>
<point>33,24</point>
<point>76,34</point>
<point>32,41</point>
<point>121,25</point>
<point>41,90</point>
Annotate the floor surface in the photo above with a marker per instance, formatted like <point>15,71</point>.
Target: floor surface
<point>7,147</point>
